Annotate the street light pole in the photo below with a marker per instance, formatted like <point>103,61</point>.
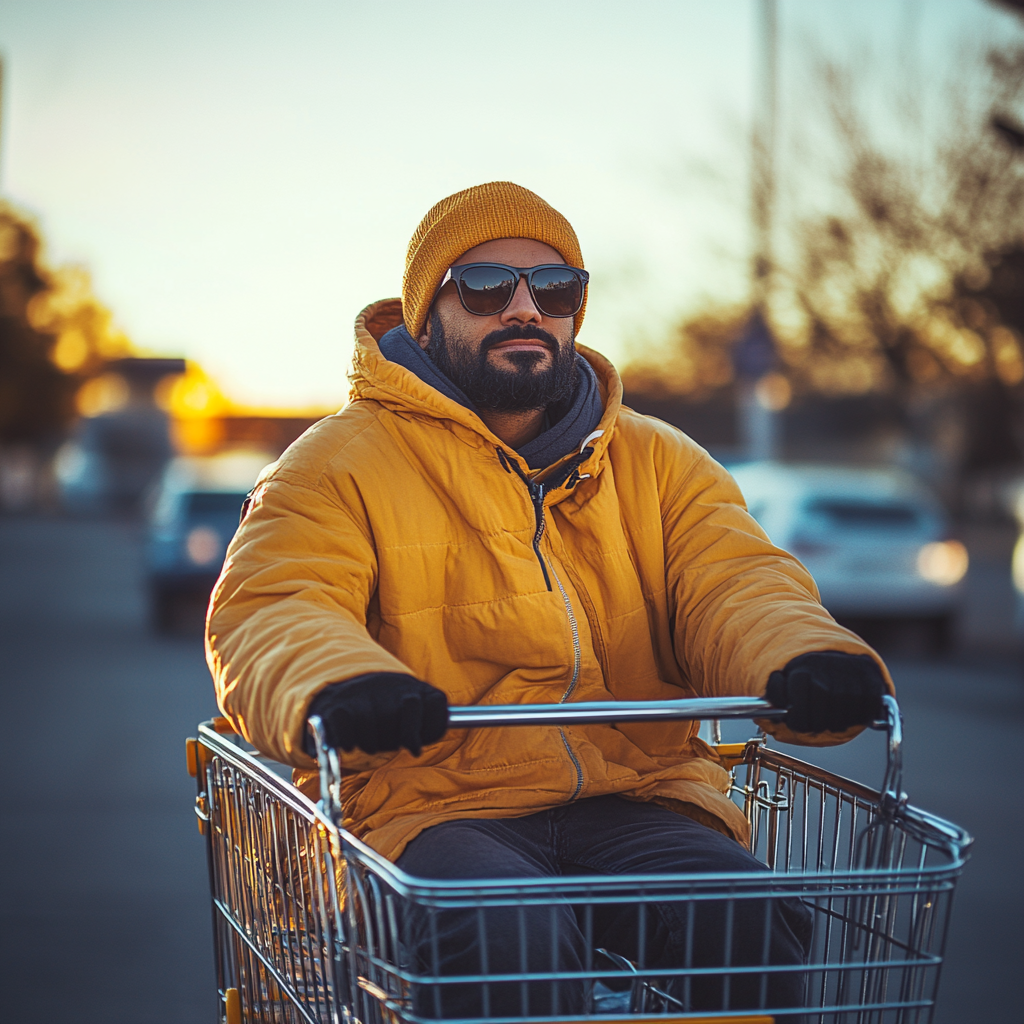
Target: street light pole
<point>1,122</point>
<point>763,177</point>
<point>754,356</point>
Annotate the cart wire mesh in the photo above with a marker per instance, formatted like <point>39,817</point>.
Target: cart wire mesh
<point>312,925</point>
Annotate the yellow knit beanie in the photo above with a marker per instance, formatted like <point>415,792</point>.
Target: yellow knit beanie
<point>499,209</point>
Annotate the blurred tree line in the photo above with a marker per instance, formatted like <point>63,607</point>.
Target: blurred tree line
<point>54,335</point>
<point>908,281</point>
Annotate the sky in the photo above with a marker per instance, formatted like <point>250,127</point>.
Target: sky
<point>242,178</point>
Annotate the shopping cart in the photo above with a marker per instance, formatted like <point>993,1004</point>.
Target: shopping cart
<point>311,925</point>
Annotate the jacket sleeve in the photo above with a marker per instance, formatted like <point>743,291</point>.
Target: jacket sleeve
<point>741,607</point>
<point>288,615</point>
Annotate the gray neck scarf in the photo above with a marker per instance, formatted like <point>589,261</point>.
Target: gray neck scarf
<point>569,424</point>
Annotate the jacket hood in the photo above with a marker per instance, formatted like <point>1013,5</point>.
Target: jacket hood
<point>374,377</point>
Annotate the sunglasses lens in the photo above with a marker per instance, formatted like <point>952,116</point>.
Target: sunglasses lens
<point>486,290</point>
<point>557,291</point>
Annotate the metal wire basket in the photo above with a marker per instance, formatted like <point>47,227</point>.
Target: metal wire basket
<point>312,925</point>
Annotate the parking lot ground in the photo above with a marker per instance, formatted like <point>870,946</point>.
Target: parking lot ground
<point>104,916</point>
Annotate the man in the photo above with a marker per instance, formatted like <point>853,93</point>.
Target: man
<point>486,523</point>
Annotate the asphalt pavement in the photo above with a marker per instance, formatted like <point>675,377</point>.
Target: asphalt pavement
<point>104,914</point>
<point>105,910</point>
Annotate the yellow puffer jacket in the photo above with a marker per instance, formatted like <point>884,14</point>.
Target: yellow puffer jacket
<point>391,537</point>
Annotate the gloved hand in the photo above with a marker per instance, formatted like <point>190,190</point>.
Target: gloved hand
<point>828,691</point>
<point>380,711</point>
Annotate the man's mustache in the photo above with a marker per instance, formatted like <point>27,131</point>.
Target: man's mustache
<point>526,332</point>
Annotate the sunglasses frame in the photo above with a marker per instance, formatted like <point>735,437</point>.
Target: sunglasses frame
<point>455,274</point>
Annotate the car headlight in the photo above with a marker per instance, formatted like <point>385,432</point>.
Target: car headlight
<point>1018,565</point>
<point>203,545</point>
<point>943,562</point>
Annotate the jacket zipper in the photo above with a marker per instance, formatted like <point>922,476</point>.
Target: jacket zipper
<point>576,765</point>
<point>574,628</point>
<point>537,497</point>
<point>537,494</point>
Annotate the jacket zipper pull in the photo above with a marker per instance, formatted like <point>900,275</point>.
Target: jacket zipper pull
<point>537,496</point>
<point>536,492</point>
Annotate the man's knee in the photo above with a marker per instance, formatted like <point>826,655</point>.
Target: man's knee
<point>473,849</point>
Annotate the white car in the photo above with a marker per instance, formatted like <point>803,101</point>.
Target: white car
<point>875,540</point>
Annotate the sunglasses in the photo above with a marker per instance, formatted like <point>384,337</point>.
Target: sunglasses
<point>487,288</point>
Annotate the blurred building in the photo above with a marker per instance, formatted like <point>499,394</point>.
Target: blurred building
<point>122,442</point>
<point>204,422</point>
<point>139,413</point>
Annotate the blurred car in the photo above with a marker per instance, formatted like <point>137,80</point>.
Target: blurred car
<point>195,515</point>
<point>876,541</point>
<point>112,460</point>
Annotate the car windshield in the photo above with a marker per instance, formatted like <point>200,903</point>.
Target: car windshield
<point>861,512</point>
<point>205,503</point>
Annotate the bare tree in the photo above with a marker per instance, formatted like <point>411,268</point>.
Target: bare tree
<point>908,278</point>
<point>890,291</point>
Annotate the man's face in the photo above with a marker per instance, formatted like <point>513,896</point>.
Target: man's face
<point>518,359</point>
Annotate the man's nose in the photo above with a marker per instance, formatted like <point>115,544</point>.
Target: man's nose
<point>521,310</point>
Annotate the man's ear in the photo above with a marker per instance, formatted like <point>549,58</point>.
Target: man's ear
<point>424,339</point>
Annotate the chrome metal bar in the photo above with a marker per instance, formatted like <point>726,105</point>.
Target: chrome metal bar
<point>610,711</point>
<point>892,723</point>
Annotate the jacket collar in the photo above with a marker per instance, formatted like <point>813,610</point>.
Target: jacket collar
<point>378,379</point>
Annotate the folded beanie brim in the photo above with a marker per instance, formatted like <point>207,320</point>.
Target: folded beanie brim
<point>483,213</point>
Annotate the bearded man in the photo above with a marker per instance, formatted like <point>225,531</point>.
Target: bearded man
<point>485,522</point>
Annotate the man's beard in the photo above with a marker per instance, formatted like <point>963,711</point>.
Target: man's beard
<point>495,388</point>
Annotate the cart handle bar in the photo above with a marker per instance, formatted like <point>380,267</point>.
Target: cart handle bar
<point>609,712</point>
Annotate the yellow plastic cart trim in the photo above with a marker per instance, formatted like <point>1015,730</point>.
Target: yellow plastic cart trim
<point>233,1007</point>
<point>732,755</point>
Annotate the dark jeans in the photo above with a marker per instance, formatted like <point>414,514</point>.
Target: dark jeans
<point>604,835</point>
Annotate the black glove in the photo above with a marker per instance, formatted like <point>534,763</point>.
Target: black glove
<point>828,691</point>
<point>380,711</point>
